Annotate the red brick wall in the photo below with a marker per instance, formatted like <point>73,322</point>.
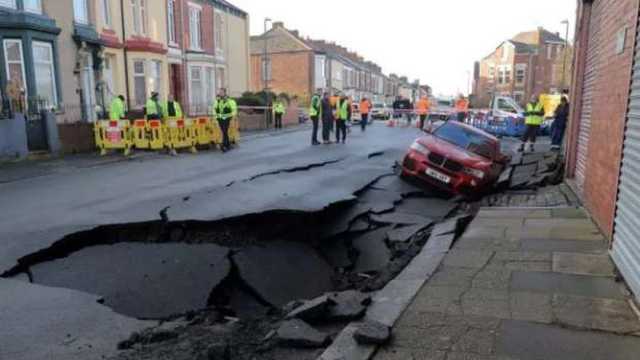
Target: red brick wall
<point>290,73</point>
<point>609,109</point>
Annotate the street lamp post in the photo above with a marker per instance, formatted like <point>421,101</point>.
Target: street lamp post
<point>265,79</point>
<point>566,52</point>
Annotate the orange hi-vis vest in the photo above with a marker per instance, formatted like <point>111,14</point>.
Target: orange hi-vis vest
<point>422,106</point>
<point>462,105</point>
<point>365,106</point>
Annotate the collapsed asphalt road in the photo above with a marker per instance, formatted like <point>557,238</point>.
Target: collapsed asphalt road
<point>58,222</point>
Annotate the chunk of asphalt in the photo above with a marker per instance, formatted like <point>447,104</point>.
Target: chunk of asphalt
<point>359,225</point>
<point>219,350</point>
<point>405,233</point>
<point>372,333</point>
<point>342,220</point>
<point>400,219</point>
<point>298,334</point>
<point>373,253</point>
<point>396,184</point>
<point>313,310</point>
<point>142,280</point>
<point>434,208</point>
<point>380,200</point>
<point>336,253</point>
<point>348,305</point>
<point>284,271</point>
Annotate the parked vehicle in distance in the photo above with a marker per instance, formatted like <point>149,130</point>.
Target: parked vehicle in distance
<point>457,158</point>
<point>356,117</point>
<point>380,111</point>
<point>442,109</point>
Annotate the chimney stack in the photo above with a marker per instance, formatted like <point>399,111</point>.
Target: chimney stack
<point>278,24</point>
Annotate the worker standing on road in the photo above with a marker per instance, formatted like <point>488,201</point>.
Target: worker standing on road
<point>224,110</point>
<point>533,120</point>
<point>365,108</point>
<point>327,118</point>
<point>462,108</point>
<point>171,109</point>
<point>559,124</point>
<point>153,110</point>
<point>422,109</point>
<point>342,111</point>
<point>278,112</point>
<point>315,113</point>
<point>116,110</point>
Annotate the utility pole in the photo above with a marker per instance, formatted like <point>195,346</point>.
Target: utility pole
<point>566,52</point>
<point>265,79</point>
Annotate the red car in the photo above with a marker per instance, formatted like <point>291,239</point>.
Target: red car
<point>457,158</point>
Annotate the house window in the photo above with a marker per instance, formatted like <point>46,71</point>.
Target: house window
<point>220,78</point>
<point>14,61</point>
<point>8,3</point>
<point>80,11</point>
<point>106,13</point>
<point>209,87</point>
<point>492,71</point>
<point>45,73</point>
<point>195,27</point>
<point>139,82</point>
<point>549,51</point>
<point>520,74</point>
<point>107,75</point>
<point>219,33</point>
<point>201,88</point>
<point>33,6</point>
<point>139,9</point>
<point>155,76</point>
<point>266,69</point>
<point>171,19</point>
<point>197,89</point>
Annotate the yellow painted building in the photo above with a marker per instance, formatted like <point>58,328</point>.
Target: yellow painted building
<point>135,54</point>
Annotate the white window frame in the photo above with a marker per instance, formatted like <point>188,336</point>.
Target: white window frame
<point>33,9</point>
<point>106,13</point>
<point>195,27</point>
<point>52,67</point>
<point>22,64</point>
<point>139,12</point>
<point>108,74</point>
<point>171,22</point>
<point>219,32</point>
<point>208,88</point>
<point>521,68</point>
<point>143,75</point>
<point>11,4</point>
<point>81,11</point>
<point>152,85</point>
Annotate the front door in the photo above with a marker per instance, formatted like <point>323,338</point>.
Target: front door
<point>36,130</point>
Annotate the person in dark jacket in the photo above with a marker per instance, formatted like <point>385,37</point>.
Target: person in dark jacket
<point>559,124</point>
<point>327,118</point>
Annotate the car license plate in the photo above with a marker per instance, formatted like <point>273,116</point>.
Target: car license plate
<point>438,175</point>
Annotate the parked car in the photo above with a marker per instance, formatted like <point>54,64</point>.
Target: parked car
<point>380,111</point>
<point>457,158</point>
<point>442,109</point>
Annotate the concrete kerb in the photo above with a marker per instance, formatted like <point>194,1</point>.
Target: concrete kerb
<point>388,305</point>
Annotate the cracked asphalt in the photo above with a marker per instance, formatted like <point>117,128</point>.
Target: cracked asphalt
<point>264,174</point>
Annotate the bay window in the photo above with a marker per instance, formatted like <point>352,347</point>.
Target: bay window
<point>14,61</point>
<point>45,73</point>
<point>140,82</point>
<point>8,3</point>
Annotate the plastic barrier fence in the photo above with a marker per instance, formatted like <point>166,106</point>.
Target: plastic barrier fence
<point>155,133</point>
<point>112,135</point>
<point>139,134</point>
<point>181,134</point>
<point>204,132</point>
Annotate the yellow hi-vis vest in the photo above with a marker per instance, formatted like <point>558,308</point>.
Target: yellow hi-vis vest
<point>342,107</point>
<point>316,106</point>
<point>535,119</point>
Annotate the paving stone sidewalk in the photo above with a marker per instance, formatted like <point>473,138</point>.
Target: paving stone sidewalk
<point>521,284</point>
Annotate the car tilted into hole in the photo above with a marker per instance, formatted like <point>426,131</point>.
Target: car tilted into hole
<point>457,158</point>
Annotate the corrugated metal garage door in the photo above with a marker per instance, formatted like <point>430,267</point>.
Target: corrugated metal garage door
<point>626,239</point>
<point>588,93</point>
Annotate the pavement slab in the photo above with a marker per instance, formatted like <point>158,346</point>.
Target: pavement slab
<point>40,322</point>
<point>583,264</point>
<point>141,289</point>
<point>580,285</point>
<point>467,258</point>
<point>534,307</point>
<point>563,245</point>
<point>529,341</point>
<point>284,271</point>
<point>610,315</point>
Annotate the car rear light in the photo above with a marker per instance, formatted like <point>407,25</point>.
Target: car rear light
<point>409,164</point>
<point>416,146</point>
<point>474,172</point>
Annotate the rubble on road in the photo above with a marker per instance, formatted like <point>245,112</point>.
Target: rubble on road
<point>372,333</point>
<point>297,333</point>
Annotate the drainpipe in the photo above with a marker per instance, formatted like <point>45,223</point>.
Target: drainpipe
<point>126,56</point>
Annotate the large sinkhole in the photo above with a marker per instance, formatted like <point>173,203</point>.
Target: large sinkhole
<point>247,265</point>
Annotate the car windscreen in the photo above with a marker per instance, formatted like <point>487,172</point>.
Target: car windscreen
<point>378,106</point>
<point>466,139</point>
<point>445,103</point>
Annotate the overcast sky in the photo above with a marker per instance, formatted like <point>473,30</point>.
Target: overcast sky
<point>435,41</point>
